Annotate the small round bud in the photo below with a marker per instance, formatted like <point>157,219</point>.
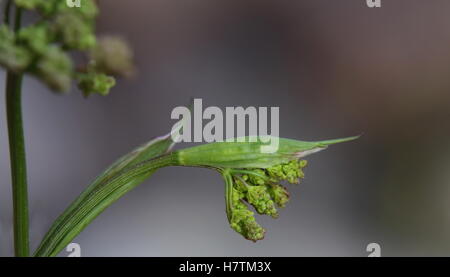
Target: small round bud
<point>259,197</point>
<point>279,194</point>
<point>55,68</point>
<point>113,56</point>
<point>93,82</point>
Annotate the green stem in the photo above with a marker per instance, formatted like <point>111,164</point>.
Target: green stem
<point>17,156</point>
<point>18,163</point>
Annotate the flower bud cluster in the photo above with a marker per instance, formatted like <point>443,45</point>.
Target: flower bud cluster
<point>44,48</point>
<point>260,188</point>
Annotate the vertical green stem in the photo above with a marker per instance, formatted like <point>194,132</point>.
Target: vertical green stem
<point>17,156</point>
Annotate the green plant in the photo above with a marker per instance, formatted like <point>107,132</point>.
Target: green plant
<point>43,49</point>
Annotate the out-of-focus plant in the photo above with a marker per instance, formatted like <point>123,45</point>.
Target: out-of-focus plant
<point>43,50</point>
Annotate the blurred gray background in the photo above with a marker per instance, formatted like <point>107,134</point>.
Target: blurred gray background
<point>335,68</point>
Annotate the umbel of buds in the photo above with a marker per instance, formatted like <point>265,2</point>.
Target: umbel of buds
<point>261,189</point>
<point>253,177</point>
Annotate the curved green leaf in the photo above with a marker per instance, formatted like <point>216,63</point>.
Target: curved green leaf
<point>121,177</point>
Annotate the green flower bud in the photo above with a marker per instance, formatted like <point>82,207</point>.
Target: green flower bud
<point>35,37</point>
<point>260,198</point>
<point>241,219</point>
<point>245,224</point>
<point>276,172</point>
<point>55,68</point>
<point>74,31</point>
<point>113,56</point>
<point>290,172</point>
<point>93,82</point>
<point>279,194</point>
<point>12,56</point>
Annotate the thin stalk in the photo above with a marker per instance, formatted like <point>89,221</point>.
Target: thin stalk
<point>17,156</point>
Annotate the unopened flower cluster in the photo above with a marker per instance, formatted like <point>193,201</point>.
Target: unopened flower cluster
<point>44,47</point>
<point>260,188</point>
